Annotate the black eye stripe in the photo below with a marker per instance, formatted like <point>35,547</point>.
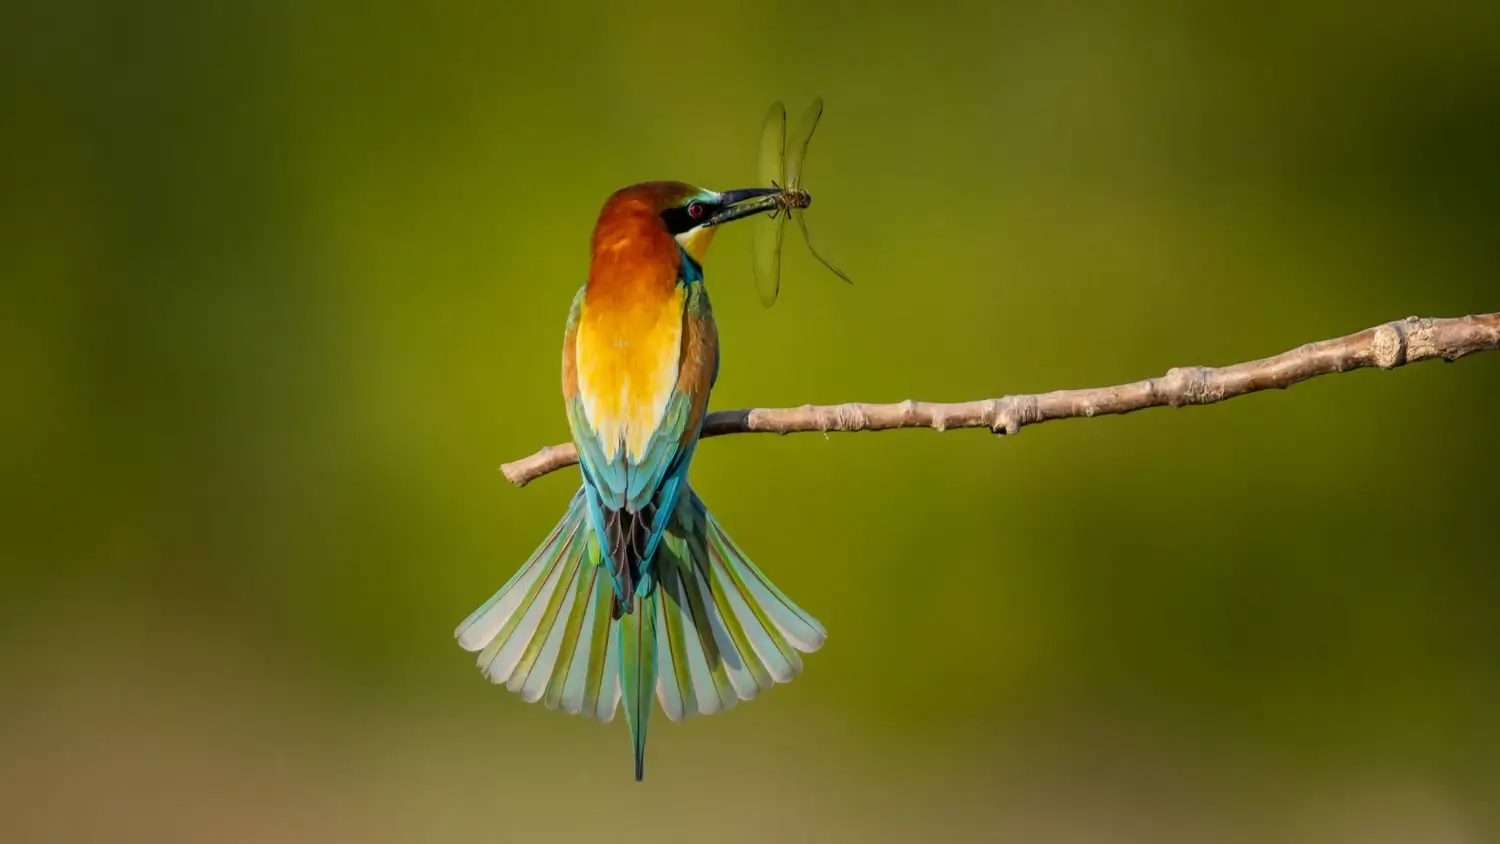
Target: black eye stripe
<point>681,219</point>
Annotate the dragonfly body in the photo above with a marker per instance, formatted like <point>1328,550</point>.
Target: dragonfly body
<point>780,165</point>
<point>638,594</point>
<point>791,199</point>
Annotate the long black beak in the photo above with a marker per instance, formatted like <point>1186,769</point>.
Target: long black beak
<point>744,203</point>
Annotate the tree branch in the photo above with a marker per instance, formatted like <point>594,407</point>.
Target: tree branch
<point>1385,346</point>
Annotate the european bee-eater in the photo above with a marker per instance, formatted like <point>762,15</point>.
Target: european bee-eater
<point>638,589</point>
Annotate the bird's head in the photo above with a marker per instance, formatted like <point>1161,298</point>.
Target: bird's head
<point>688,214</point>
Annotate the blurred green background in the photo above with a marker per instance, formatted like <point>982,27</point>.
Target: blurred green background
<point>284,283</point>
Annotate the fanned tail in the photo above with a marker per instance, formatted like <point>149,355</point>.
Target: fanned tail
<point>638,654</point>
<point>709,631</point>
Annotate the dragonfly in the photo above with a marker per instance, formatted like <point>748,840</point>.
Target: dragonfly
<point>781,168</point>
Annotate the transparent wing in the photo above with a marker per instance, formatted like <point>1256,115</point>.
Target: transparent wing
<point>800,138</point>
<point>765,238</point>
<point>771,161</point>
<point>796,157</point>
<point>802,224</point>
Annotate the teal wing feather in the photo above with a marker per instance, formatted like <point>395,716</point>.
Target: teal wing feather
<point>664,452</point>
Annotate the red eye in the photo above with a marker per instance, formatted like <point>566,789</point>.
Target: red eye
<point>696,210</point>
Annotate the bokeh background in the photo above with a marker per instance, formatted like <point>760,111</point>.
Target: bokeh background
<point>284,283</point>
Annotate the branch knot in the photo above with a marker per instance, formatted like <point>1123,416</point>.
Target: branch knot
<point>1388,346</point>
<point>1006,416</point>
<point>1190,385</point>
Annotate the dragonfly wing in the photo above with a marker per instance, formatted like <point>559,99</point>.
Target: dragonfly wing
<point>771,161</point>
<point>802,224</point>
<point>765,239</point>
<point>800,138</point>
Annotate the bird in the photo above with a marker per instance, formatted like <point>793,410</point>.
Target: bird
<point>638,594</point>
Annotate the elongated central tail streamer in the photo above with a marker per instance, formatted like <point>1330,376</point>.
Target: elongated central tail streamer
<point>637,634</point>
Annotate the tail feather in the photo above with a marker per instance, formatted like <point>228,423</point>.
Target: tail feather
<point>698,679</point>
<point>800,628</point>
<point>709,631</point>
<point>637,634</point>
